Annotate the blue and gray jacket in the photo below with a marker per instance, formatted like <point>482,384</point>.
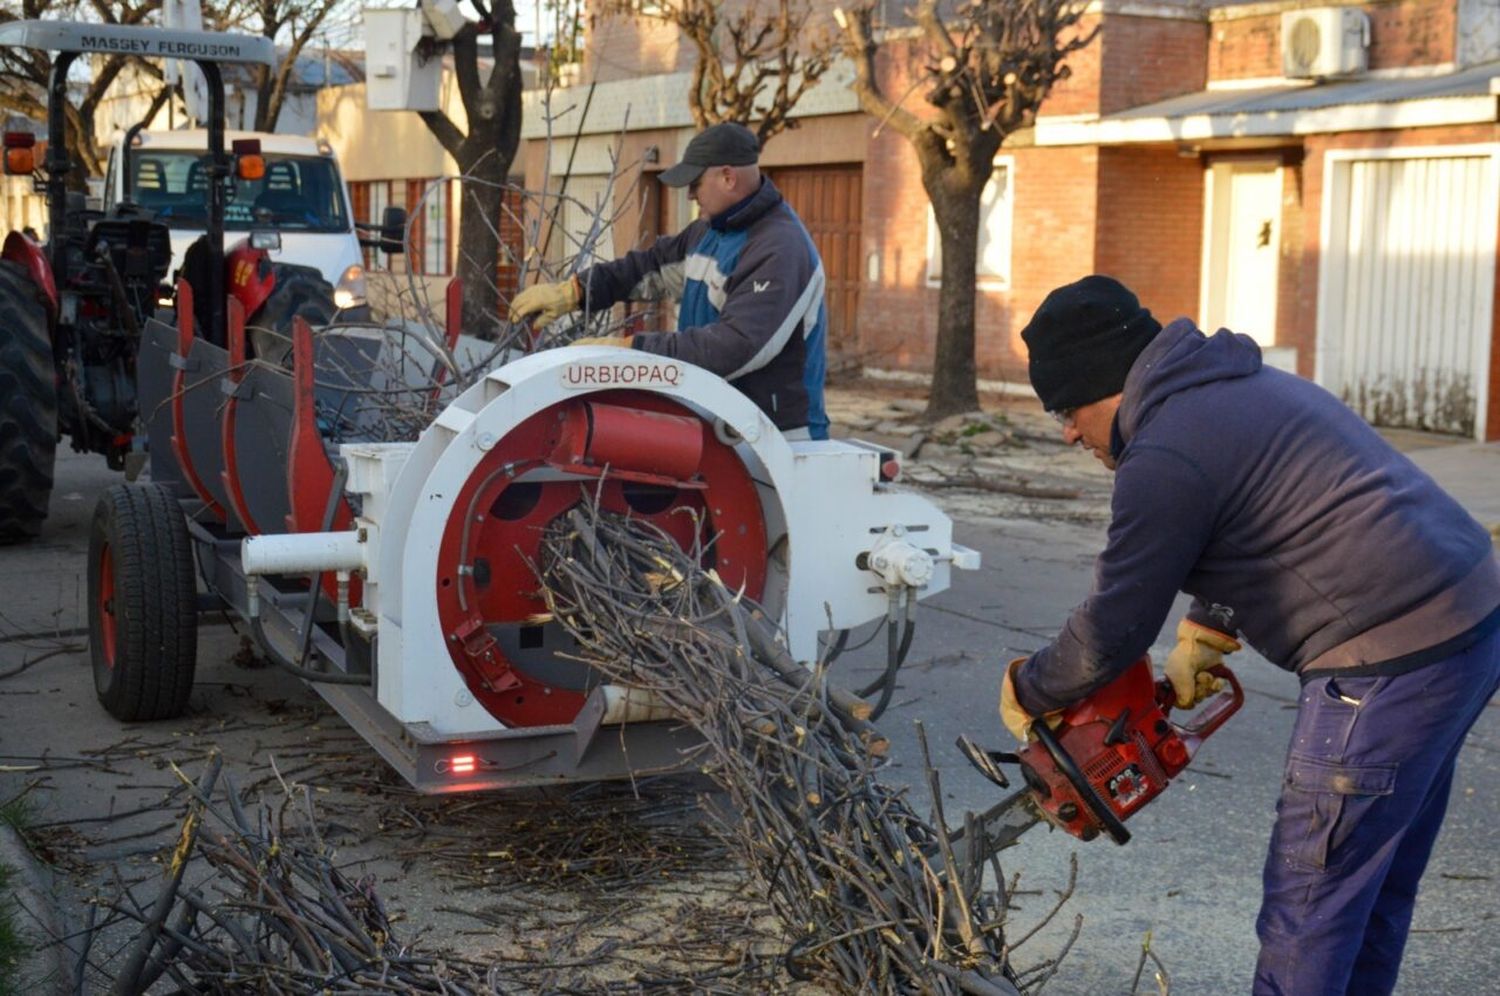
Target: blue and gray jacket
<point>1288,519</point>
<point>751,289</point>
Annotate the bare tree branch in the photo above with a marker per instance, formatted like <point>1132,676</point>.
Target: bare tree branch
<point>983,72</point>
<point>754,62</point>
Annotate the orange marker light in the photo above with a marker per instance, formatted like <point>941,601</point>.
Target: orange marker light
<point>463,764</point>
<point>19,162</point>
<point>251,167</point>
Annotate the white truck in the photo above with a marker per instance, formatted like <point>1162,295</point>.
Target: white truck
<point>302,197</point>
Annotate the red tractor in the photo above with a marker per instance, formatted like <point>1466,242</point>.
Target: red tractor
<point>72,310</point>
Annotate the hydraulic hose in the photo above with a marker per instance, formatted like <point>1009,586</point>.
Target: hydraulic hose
<point>895,655</point>
<point>258,631</point>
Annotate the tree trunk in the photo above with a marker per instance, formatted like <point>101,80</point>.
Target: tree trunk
<point>493,108</point>
<point>955,205</point>
<point>479,245</point>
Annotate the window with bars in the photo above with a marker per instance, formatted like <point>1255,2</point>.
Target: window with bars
<point>431,241</point>
<point>371,198</point>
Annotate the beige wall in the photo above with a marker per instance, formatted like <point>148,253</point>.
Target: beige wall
<point>385,145</point>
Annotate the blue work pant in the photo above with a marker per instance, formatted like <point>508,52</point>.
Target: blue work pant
<point>1366,786</point>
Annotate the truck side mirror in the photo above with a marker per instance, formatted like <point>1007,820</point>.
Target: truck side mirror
<point>393,231</point>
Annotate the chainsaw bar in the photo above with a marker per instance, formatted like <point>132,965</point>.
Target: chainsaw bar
<point>998,827</point>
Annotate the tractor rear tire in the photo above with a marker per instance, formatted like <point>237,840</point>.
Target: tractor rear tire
<point>300,291</point>
<point>28,407</point>
<point>143,603</point>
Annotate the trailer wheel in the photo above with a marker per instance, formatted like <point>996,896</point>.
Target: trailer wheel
<point>28,407</point>
<point>143,613</point>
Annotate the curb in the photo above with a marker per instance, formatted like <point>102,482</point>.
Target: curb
<point>44,969</point>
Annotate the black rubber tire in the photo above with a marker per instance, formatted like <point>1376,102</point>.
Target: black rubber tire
<point>143,603</point>
<point>300,290</point>
<point>28,407</point>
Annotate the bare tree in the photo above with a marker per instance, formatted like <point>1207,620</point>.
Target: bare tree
<point>24,73</point>
<point>492,105</point>
<point>755,60</point>
<point>293,23</point>
<point>984,76</point>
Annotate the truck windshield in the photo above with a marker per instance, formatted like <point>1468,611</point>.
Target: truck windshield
<point>297,192</point>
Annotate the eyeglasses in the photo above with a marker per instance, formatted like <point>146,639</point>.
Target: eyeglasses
<point>1064,416</point>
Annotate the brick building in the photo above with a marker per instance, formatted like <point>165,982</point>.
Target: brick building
<point>1322,178</point>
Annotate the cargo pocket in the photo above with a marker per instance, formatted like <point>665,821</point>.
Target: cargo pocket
<point>1322,804</point>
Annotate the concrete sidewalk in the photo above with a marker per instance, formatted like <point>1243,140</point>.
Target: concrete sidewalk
<point>29,902</point>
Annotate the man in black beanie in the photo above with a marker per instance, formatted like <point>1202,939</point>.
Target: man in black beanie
<point>1298,529</point>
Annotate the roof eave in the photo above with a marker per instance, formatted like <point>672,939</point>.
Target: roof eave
<point>1428,113</point>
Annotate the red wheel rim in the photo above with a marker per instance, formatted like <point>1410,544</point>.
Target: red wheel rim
<point>107,603</point>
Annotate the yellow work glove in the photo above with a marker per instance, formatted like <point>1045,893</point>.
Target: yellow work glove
<point>1016,719</point>
<point>622,341</point>
<point>1198,649</point>
<point>548,302</point>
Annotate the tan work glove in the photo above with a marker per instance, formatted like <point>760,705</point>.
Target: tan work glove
<point>548,302</point>
<point>622,341</point>
<point>1016,719</point>
<point>1198,649</point>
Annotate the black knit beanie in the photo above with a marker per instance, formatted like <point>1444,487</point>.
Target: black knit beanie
<point>1083,339</point>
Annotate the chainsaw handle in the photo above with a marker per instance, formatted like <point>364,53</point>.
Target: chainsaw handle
<point>1212,714</point>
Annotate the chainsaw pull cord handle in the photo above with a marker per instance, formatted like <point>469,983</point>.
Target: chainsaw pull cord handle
<point>1065,763</point>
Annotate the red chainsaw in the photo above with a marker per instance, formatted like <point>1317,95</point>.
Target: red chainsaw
<point>1111,754</point>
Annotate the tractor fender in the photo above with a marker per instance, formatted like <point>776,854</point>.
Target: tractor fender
<point>251,278</point>
<point>21,250</point>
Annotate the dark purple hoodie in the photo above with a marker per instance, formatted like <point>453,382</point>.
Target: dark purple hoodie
<point>1285,515</point>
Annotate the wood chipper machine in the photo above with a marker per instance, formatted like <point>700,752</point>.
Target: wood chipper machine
<point>397,575</point>
<point>397,578</point>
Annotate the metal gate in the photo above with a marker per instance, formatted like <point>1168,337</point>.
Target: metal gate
<point>827,198</point>
<point>1406,299</point>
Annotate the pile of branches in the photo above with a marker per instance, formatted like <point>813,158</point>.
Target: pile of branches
<point>273,916</point>
<point>874,896</point>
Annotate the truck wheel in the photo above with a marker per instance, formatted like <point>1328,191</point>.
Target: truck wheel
<point>300,291</point>
<point>28,407</point>
<point>143,612</point>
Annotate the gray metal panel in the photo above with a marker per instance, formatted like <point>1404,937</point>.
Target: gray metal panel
<point>1409,288</point>
<point>113,39</point>
<point>153,380</point>
<point>347,364</point>
<point>1471,82</point>
<point>262,438</point>
<point>202,415</point>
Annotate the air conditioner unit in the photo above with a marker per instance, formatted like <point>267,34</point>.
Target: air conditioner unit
<point>1324,41</point>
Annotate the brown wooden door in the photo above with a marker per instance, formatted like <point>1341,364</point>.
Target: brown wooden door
<point>827,198</point>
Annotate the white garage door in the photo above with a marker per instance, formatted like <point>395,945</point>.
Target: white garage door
<point>1408,284</point>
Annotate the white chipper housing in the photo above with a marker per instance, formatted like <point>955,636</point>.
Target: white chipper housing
<point>399,577</point>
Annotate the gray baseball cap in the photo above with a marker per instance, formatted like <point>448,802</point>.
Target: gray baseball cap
<point>726,144</point>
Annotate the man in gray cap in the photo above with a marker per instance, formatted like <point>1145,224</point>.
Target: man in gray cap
<point>1298,529</point>
<point>748,277</point>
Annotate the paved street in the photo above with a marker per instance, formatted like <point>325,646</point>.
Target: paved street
<point>1189,879</point>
